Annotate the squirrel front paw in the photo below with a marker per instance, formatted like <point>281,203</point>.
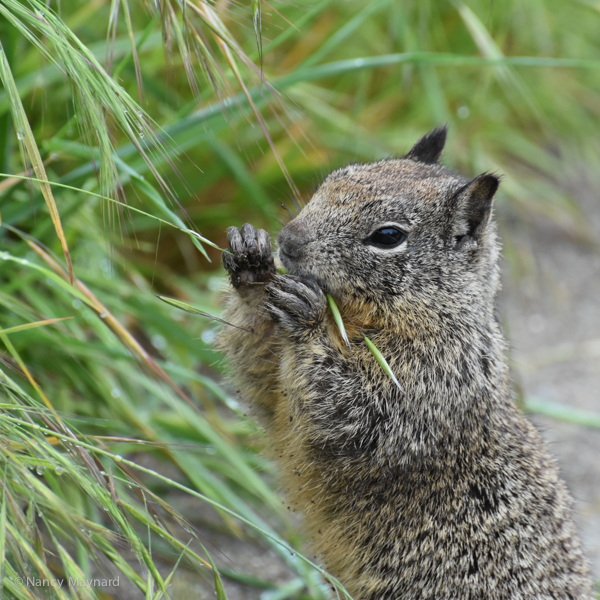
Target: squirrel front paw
<point>297,306</point>
<point>248,260</point>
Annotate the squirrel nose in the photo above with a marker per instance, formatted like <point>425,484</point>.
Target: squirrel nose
<point>292,239</point>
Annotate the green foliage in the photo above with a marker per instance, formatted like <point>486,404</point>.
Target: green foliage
<point>142,131</point>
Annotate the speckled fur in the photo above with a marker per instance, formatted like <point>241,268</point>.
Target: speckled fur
<point>444,491</point>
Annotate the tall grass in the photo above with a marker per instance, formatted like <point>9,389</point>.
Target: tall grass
<point>131,135</point>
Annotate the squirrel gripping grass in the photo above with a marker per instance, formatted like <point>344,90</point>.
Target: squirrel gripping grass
<point>437,488</point>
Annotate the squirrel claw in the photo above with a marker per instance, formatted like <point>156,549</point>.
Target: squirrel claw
<point>248,260</point>
<point>298,306</point>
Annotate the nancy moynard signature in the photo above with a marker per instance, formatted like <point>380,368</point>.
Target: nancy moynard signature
<point>59,582</point>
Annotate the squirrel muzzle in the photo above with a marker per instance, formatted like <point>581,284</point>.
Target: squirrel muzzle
<point>292,241</point>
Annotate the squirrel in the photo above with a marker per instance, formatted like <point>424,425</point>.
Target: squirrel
<point>431,487</point>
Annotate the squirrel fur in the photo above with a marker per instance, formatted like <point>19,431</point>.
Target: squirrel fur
<point>435,489</point>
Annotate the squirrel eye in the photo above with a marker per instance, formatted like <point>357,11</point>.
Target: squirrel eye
<point>386,237</point>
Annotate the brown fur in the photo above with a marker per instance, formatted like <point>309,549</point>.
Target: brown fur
<point>441,490</point>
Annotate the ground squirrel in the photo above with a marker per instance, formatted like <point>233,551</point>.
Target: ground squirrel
<point>439,490</point>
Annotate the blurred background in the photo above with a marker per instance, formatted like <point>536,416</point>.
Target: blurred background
<point>132,134</point>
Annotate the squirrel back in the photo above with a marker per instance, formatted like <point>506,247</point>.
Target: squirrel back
<point>432,485</point>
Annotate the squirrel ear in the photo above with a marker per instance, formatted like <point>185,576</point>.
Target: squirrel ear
<point>429,148</point>
<point>472,207</point>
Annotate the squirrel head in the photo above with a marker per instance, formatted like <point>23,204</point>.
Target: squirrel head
<point>398,234</point>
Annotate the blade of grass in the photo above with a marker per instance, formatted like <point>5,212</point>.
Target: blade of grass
<point>562,412</point>
<point>187,308</point>
<point>113,324</point>
<point>342,34</point>
<point>383,363</point>
<point>296,28</point>
<point>431,58</point>
<point>257,22</point>
<point>159,477</point>
<point>136,60</point>
<point>25,136</point>
<point>488,47</point>
<point>27,326</point>
<point>3,532</point>
<point>13,352</point>
<point>219,589</point>
<point>193,234</point>
<point>337,317</point>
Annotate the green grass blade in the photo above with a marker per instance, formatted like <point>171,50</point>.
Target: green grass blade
<point>28,326</point>
<point>382,362</point>
<point>344,32</point>
<point>181,226</point>
<point>25,136</point>
<point>337,317</point>
<point>3,533</point>
<point>56,279</point>
<point>176,485</point>
<point>561,412</point>
<point>257,22</point>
